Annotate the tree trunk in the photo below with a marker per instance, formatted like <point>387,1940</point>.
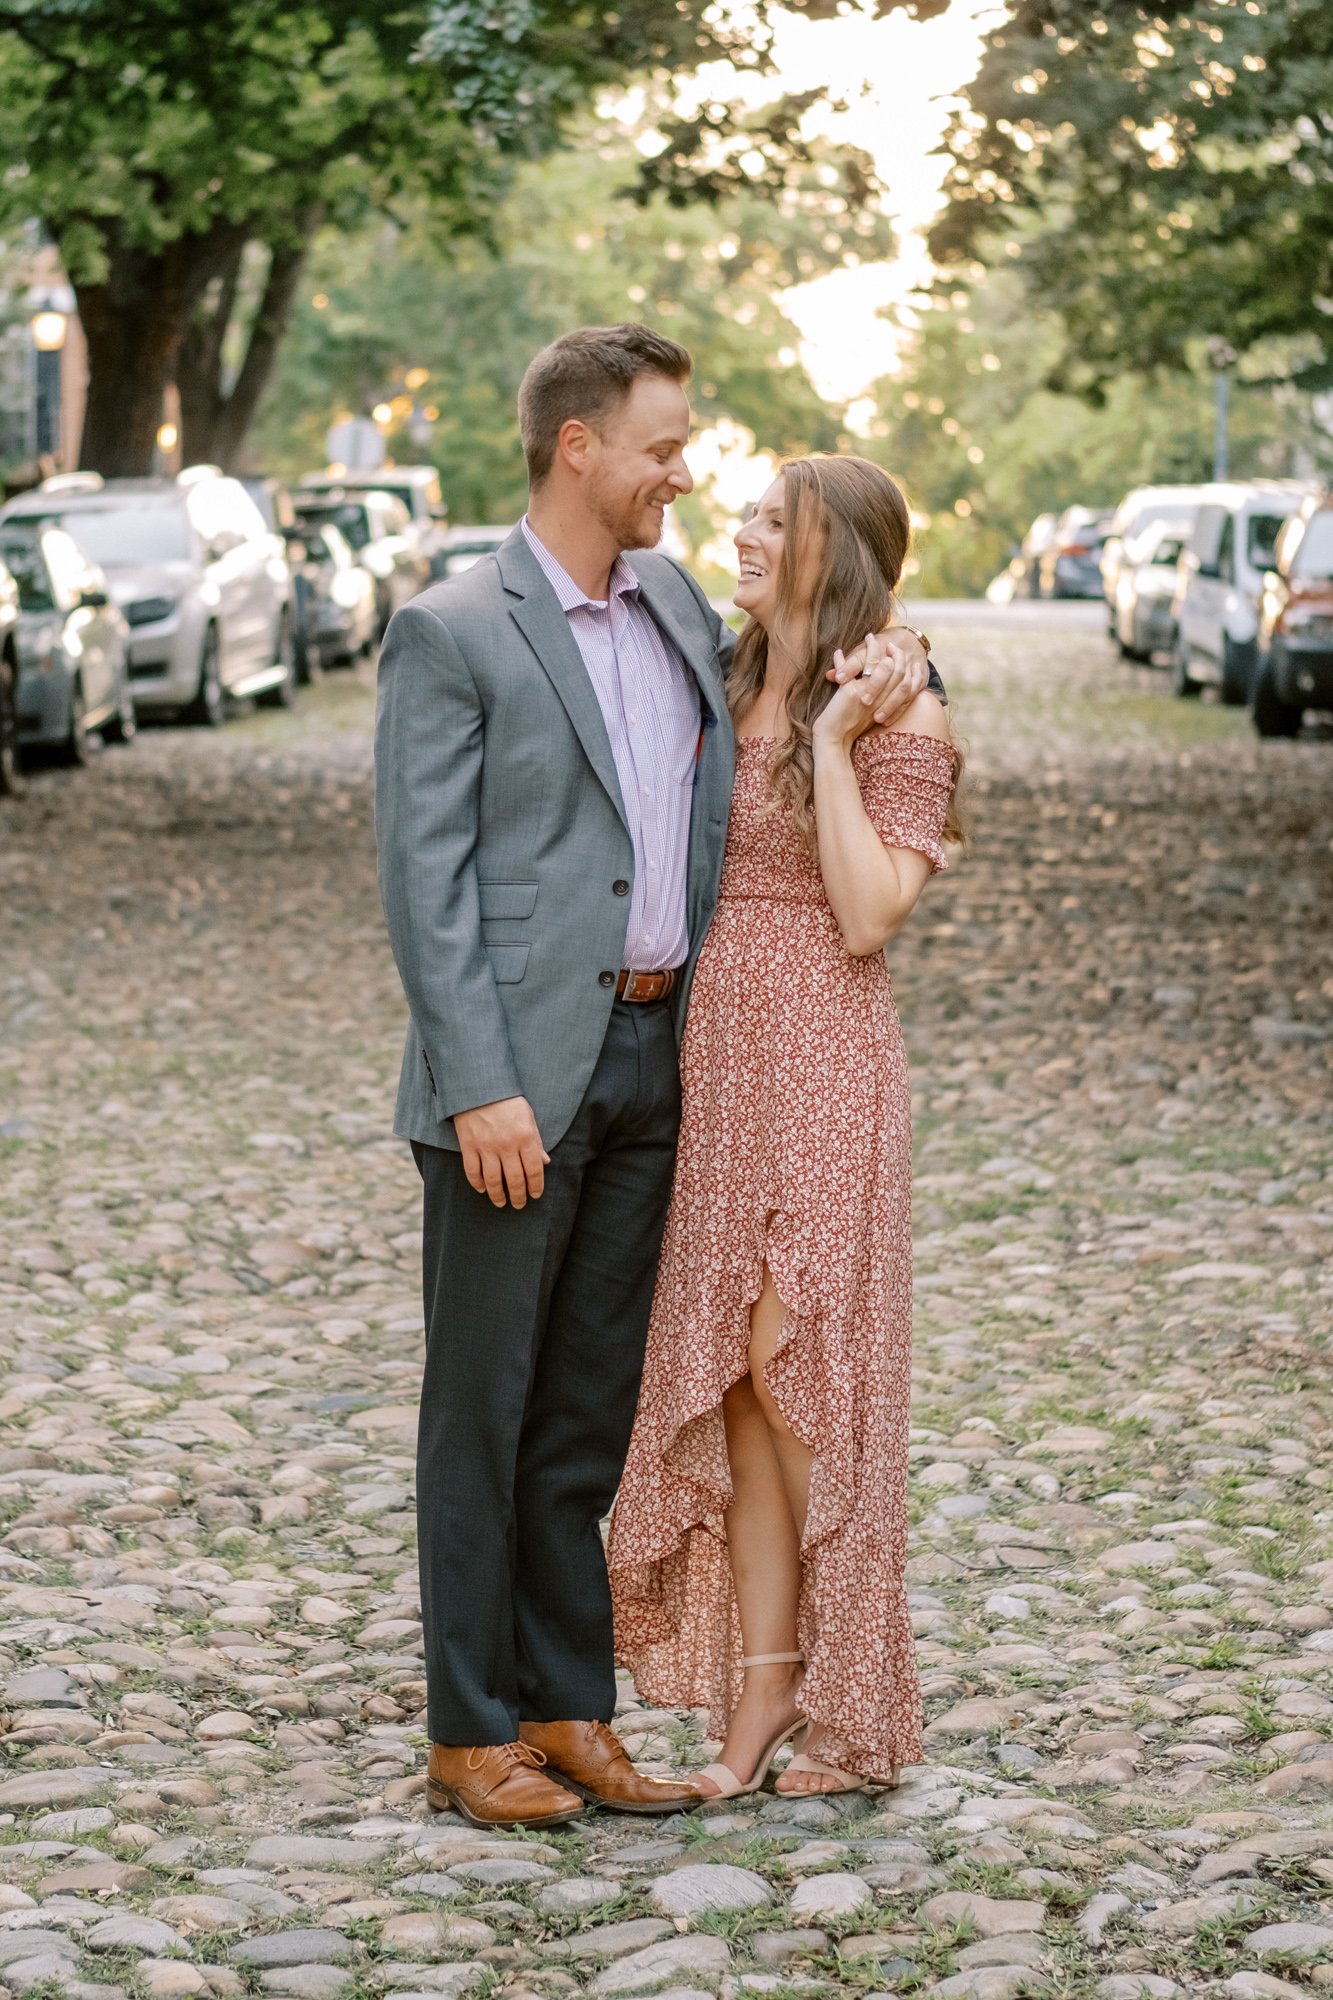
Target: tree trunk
<point>199,366</point>
<point>214,422</point>
<point>134,323</point>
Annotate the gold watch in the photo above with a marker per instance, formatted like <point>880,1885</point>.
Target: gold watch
<point>917,633</point>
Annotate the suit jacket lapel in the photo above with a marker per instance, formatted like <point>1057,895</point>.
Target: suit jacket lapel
<point>537,613</point>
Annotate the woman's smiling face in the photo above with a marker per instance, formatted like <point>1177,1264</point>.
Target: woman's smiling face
<point>759,545</point>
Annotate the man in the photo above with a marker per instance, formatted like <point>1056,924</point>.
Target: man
<point>554,763</point>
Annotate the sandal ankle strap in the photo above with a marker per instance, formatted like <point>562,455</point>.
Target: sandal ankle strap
<point>772,1659</point>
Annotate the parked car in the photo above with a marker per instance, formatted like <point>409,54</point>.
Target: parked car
<point>1137,512</point>
<point>465,546</point>
<point>73,645</point>
<point>1295,668</point>
<point>274,501</point>
<point>1144,612</point>
<point>375,526</point>
<point>335,598</point>
<point>1069,564</point>
<point>418,489</point>
<point>1220,583</point>
<point>10,780</point>
<point>204,585</point>
<point>1031,550</point>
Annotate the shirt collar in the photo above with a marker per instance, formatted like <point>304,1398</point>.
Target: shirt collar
<point>624,583</point>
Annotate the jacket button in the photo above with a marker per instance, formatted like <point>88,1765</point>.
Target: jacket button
<point>606,979</point>
<point>620,888</point>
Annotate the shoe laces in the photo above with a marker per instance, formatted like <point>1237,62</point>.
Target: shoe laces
<point>506,1754</point>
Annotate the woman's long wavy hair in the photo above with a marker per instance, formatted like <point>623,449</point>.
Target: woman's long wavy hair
<point>858,519</point>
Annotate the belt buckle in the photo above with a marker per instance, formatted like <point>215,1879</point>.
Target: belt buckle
<point>632,985</point>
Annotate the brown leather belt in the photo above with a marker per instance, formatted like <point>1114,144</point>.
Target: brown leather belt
<point>641,987</point>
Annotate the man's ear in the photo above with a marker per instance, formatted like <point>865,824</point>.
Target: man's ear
<point>575,443</point>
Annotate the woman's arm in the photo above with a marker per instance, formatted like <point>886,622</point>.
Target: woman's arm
<point>871,888</point>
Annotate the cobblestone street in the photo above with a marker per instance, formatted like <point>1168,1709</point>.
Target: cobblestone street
<point>1120,1013</point>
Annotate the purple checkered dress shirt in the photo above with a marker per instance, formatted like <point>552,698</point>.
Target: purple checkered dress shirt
<point>650,705</point>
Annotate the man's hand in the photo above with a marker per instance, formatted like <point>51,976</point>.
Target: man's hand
<point>890,669</point>
<point>502,1151</point>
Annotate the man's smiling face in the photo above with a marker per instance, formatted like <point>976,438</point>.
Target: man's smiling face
<point>636,462</point>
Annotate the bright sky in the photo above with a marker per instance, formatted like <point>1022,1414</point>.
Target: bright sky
<point>900,79</point>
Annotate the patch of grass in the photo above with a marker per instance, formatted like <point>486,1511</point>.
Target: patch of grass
<point>737,1927</point>
<point>624,1908</point>
<point>1223,1653</point>
<point>1257,1711</point>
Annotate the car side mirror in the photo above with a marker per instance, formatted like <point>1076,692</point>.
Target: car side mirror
<point>93,600</point>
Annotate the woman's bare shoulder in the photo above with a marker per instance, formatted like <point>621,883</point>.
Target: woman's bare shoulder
<point>927,716</point>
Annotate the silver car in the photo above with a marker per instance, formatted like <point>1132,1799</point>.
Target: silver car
<point>1144,612</point>
<point>73,645</point>
<point>204,586</point>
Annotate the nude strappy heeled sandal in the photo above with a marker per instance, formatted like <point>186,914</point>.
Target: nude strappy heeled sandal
<point>729,1786</point>
<point>845,1781</point>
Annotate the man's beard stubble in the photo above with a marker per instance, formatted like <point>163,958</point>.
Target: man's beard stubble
<point>627,525</point>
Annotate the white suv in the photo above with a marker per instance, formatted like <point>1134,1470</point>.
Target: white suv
<point>1220,582</point>
<point>203,585</point>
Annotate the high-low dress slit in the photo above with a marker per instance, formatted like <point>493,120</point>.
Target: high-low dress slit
<point>795,1153</point>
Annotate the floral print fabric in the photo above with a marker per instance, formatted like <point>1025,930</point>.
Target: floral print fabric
<point>795,1152</point>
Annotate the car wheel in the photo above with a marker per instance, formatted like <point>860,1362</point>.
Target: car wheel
<point>11,781</point>
<point>209,707</point>
<point>284,694</point>
<point>1238,662</point>
<point>1182,680</point>
<point>1131,648</point>
<point>1272,716</point>
<point>75,748</point>
<point>123,726</point>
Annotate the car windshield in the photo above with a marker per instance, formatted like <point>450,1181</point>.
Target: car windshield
<point>348,516</point>
<point>121,537</point>
<point>1314,556</point>
<point>1262,543</point>
<point>24,562</point>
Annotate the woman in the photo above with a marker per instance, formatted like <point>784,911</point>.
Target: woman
<point>759,1539</point>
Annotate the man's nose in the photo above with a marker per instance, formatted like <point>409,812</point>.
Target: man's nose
<point>681,478</point>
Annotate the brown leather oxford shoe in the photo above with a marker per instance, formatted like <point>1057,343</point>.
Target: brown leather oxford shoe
<point>497,1784</point>
<point>590,1758</point>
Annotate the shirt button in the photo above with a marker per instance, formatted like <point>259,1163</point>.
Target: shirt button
<point>606,979</point>
<point>620,888</point>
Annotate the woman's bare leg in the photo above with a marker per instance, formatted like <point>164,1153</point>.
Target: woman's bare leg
<point>763,1544</point>
<point>793,1460</point>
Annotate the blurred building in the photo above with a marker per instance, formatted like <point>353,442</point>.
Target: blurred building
<point>43,367</point>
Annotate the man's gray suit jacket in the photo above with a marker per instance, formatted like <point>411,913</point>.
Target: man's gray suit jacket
<point>502,835</point>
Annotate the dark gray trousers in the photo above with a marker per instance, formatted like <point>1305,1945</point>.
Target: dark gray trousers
<point>535,1326</point>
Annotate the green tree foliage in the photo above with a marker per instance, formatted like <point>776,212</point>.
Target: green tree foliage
<point>162,143</point>
<point>983,444</point>
<point>567,250</point>
<point>1169,167</point>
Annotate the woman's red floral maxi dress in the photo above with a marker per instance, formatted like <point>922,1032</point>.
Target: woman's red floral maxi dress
<point>795,1152</point>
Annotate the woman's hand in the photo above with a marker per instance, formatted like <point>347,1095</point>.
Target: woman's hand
<point>848,715</point>
<point>887,671</point>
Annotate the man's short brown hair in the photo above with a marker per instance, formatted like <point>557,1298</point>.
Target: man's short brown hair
<point>589,374</point>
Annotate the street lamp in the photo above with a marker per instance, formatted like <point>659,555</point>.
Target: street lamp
<point>1223,357</point>
<point>48,323</point>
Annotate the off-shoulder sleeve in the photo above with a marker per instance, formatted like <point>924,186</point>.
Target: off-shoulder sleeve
<point>906,782</point>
